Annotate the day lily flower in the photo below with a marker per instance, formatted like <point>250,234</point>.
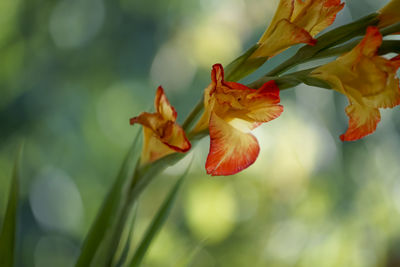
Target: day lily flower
<point>296,21</point>
<point>369,81</point>
<point>162,135</point>
<point>232,110</point>
<point>389,14</point>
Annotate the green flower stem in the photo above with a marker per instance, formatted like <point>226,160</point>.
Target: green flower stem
<point>291,80</point>
<point>395,28</point>
<point>193,115</point>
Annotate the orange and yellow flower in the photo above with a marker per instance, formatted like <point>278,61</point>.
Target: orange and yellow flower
<point>296,21</point>
<point>389,14</point>
<point>232,110</point>
<point>369,81</point>
<point>162,135</point>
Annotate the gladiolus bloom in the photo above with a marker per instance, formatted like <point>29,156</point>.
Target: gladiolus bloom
<point>389,14</point>
<point>296,21</point>
<point>162,135</point>
<point>369,82</point>
<point>232,110</point>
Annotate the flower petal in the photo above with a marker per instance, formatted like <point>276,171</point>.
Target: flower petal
<point>163,106</point>
<point>282,37</point>
<point>370,43</point>
<point>363,121</point>
<point>175,138</point>
<point>230,150</point>
<point>389,14</point>
<point>315,15</point>
<point>284,11</point>
<point>153,148</point>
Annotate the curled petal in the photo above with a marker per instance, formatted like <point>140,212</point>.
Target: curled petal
<point>176,139</point>
<point>230,150</point>
<point>163,107</point>
<point>363,121</point>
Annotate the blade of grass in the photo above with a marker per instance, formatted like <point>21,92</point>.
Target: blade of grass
<point>126,240</point>
<point>8,230</point>
<point>110,207</point>
<point>157,222</point>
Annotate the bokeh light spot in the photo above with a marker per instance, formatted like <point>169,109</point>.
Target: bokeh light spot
<point>75,22</point>
<point>210,210</point>
<point>56,202</point>
<point>172,68</point>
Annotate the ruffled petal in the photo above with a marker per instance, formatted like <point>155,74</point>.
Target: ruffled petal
<point>363,121</point>
<point>230,150</point>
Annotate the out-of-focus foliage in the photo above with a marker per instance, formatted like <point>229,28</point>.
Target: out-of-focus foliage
<point>72,73</point>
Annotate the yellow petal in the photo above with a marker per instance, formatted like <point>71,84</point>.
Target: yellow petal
<point>284,11</point>
<point>389,14</point>
<point>315,15</point>
<point>296,21</point>
<point>163,107</point>
<point>285,35</point>
<point>153,149</point>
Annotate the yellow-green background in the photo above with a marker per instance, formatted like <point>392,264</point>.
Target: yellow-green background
<point>72,73</point>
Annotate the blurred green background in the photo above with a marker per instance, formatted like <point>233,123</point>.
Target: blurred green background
<point>72,73</point>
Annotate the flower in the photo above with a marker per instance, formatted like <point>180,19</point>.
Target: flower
<point>369,81</point>
<point>162,135</point>
<point>389,14</point>
<point>296,21</point>
<point>232,110</point>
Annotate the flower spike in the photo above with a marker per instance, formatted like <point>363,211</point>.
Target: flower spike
<point>162,135</point>
<point>369,81</point>
<point>232,110</point>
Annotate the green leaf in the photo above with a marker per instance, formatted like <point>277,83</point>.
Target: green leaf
<point>121,254</point>
<point>389,46</point>
<point>109,210</point>
<point>8,230</point>
<point>392,29</point>
<point>157,223</point>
